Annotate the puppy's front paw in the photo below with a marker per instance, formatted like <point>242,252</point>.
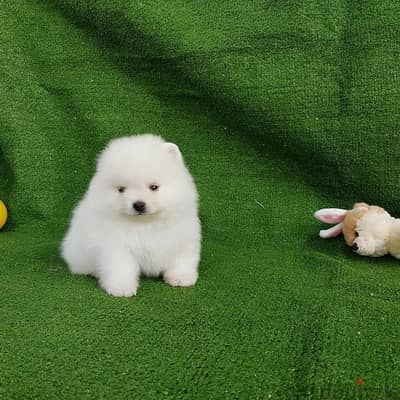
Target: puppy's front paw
<point>181,278</point>
<point>119,288</point>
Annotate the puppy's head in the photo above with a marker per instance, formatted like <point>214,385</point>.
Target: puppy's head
<point>141,176</point>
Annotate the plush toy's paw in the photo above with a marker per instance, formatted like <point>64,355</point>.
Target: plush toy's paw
<point>181,278</point>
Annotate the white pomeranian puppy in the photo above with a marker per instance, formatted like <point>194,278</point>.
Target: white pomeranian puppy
<point>139,216</point>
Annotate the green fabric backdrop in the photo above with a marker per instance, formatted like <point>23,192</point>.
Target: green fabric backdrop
<point>280,108</point>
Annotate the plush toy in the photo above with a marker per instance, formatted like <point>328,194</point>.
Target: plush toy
<point>369,230</point>
<point>3,214</point>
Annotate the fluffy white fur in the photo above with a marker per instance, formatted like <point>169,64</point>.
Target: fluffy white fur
<point>110,240</point>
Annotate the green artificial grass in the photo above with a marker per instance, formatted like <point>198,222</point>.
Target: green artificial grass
<point>280,108</point>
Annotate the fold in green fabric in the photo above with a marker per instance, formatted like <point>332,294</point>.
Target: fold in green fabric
<point>279,108</point>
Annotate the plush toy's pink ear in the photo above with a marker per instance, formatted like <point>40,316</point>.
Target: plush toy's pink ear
<point>336,230</point>
<point>330,215</point>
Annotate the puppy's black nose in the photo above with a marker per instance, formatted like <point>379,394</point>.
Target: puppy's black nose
<point>139,206</point>
<point>355,246</point>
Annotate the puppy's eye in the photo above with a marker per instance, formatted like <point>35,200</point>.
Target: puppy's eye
<point>121,189</point>
<point>357,234</point>
<point>153,187</point>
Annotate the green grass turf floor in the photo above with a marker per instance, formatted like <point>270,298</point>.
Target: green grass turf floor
<point>280,108</point>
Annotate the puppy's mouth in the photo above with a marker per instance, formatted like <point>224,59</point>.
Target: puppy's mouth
<point>143,214</point>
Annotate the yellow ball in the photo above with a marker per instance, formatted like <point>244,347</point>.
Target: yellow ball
<point>3,214</point>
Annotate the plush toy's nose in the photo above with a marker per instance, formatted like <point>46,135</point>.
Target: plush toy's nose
<point>355,246</point>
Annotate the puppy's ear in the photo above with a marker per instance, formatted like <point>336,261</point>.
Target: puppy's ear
<point>173,150</point>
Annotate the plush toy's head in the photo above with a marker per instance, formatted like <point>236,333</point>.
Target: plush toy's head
<point>365,228</point>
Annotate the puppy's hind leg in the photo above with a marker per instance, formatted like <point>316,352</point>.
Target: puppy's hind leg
<point>77,257</point>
